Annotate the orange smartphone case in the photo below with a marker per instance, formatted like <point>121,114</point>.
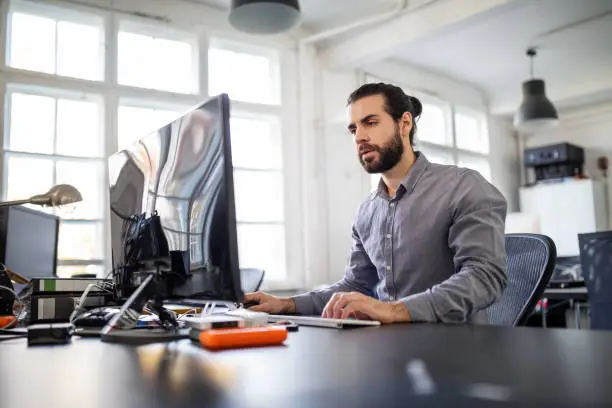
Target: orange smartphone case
<point>243,337</point>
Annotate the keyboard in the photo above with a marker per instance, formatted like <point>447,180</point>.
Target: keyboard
<point>322,322</point>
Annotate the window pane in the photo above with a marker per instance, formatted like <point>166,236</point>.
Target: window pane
<point>32,43</point>
<point>134,51</point>
<point>28,176</point>
<point>437,156</point>
<point>80,240</point>
<point>88,178</point>
<point>174,66</point>
<point>155,63</point>
<point>32,123</point>
<point>66,271</point>
<point>79,51</point>
<point>470,134</point>
<point>431,126</point>
<point>135,123</point>
<point>245,77</point>
<point>255,145</point>
<point>79,129</point>
<point>263,246</point>
<point>259,196</point>
<point>479,164</point>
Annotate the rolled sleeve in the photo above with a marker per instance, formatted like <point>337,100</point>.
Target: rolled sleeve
<point>477,240</point>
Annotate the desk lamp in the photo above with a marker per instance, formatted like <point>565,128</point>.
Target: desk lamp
<point>61,194</point>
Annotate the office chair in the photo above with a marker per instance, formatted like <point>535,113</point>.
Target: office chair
<point>251,279</point>
<point>530,264</point>
<point>596,261</point>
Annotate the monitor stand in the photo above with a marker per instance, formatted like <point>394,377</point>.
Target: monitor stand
<point>122,327</point>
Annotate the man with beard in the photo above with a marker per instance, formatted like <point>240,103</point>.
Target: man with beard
<point>428,244</point>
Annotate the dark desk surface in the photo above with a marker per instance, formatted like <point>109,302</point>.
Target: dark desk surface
<point>365,367</point>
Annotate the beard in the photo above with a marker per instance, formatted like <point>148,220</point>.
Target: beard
<point>388,155</point>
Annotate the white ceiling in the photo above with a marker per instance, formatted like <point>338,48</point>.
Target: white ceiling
<point>322,14</point>
<point>490,53</point>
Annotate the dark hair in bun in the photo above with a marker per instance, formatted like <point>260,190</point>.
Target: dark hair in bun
<point>396,102</point>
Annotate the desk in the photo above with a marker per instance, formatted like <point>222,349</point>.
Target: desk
<point>365,367</point>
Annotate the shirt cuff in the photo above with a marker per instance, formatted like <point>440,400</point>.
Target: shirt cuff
<point>304,304</point>
<point>419,308</point>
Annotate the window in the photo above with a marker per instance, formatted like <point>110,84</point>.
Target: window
<point>135,122</point>
<point>52,140</point>
<point>243,73</point>
<point>432,125</point>
<point>64,115</point>
<point>41,39</point>
<point>156,62</point>
<point>470,131</point>
<point>259,193</point>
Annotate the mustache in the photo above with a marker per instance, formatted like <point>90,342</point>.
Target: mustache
<point>366,148</point>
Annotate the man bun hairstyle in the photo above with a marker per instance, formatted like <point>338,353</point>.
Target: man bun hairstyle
<point>396,102</point>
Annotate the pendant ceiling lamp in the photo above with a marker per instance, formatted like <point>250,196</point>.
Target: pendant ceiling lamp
<point>536,110</point>
<point>264,16</point>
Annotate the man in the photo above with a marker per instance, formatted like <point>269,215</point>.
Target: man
<point>428,245</point>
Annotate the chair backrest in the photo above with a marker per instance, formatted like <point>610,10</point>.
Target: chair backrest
<point>251,279</point>
<point>530,263</point>
<point>596,261</point>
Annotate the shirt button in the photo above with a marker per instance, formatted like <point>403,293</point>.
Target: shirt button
<point>391,205</point>
<point>388,267</point>
<point>389,236</point>
<point>391,298</point>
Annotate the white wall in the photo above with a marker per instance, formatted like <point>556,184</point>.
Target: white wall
<point>505,160</point>
<point>345,184</point>
<point>589,127</point>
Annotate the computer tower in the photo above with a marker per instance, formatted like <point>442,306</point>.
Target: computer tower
<point>28,241</point>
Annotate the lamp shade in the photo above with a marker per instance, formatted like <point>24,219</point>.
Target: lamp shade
<point>536,110</point>
<point>264,16</point>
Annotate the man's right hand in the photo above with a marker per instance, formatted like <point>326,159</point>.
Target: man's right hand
<point>269,304</point>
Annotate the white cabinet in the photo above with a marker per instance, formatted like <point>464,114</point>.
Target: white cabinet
<point>566,209</point>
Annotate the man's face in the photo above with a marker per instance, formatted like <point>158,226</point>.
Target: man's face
<point>377,136</point>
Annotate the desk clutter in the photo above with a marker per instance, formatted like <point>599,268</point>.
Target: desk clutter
<point>53,310</point>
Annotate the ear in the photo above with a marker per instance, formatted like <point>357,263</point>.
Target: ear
<point>406,123</point>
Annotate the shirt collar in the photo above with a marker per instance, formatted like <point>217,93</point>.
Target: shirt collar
<point>410,180</point>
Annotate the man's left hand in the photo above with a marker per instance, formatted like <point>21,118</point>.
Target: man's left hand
<point>345,305</point>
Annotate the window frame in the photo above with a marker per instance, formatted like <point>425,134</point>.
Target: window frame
<point>56,94</point>
<point>135,26</point>
<point>255,50</point>
<point>59,14</point>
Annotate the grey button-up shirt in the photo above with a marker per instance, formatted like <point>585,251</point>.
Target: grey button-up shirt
<point>438,246</point>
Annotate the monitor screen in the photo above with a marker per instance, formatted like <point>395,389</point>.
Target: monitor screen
<point>31,242</point>
<point>182,174</point>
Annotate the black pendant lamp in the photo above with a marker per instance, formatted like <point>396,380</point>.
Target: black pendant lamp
<point>536,110</point>
<point>264,16</point>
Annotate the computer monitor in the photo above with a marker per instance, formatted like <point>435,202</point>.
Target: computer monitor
<point>182,173</point>
<point>28,241</point>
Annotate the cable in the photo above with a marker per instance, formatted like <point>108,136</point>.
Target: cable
<point>10,290</point>
<point>18,336</point>
<point>79,303</point>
